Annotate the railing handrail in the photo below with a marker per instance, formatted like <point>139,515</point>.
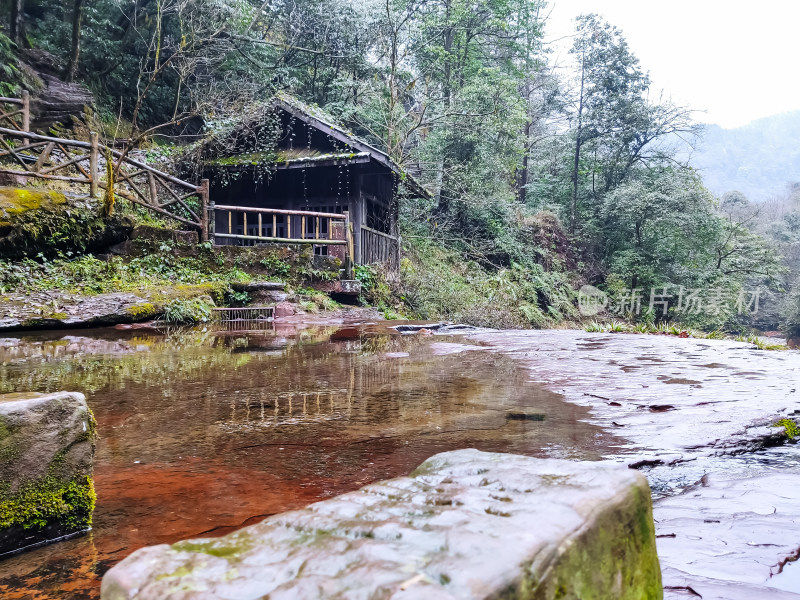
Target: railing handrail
<point>153,170</point>
<point>281,211</point>
<point>44,138</point>
<point>93,149</point>
<point>5,100</point>
<point>88,146</point>
<point>375,231</point>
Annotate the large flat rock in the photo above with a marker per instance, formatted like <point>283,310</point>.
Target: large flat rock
<point>46,450</point>
<point>465,524</point>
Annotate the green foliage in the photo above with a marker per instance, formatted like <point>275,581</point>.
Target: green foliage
<point>9,70</point>
<point>759,343</point>
<point>438,283</point>
<point>90,275</point>
<point>188,310</point>
<point>792,428</point>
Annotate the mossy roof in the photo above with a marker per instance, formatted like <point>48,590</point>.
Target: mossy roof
<point>300,155</point>
<point>319,119</point>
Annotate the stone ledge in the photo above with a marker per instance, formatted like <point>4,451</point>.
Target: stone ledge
<point>465,524</point>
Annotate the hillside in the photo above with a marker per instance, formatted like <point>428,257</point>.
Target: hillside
<point>758,159</point>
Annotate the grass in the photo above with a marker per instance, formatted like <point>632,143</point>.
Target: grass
<point>791,427</point>
<point>760,343</point>
<point>677,331</point>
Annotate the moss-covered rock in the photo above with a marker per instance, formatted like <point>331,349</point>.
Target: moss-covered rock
<point>46,451</point>
<point>37,220</point>
<point>465,524</point>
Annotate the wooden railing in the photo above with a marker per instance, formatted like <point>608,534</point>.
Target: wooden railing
<point>253,225</point>
<point>378,247</point>
<point>30,155</point>
<point>7,116</point>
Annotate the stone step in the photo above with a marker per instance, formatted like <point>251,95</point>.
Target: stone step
<point>465,524</point>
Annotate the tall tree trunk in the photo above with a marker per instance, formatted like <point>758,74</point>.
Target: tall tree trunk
<point>15,26</point>
<point>573,215</point>
<point>75,51</point>
<point>447,92</point>
<point>522,182</point>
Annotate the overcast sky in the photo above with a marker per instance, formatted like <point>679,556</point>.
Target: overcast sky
<point>736,60</point>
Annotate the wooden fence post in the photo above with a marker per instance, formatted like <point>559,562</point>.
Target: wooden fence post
<point>205,208</point>
<point>26,114</point>
<point>94,175</point>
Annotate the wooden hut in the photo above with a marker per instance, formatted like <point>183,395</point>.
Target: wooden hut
<point>321,186</point>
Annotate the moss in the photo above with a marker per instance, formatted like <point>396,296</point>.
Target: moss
<point>228,548</point>
<point>18,201</point>
<point>37,504</point>
<point>179,572</point>
<point>140,312</point>
<point>615,558</point>
<point>791,428</point>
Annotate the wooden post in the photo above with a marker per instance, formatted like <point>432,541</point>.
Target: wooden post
<point>26,113</point>
<point>204,216</point>
<point>94,174</point>
<point>302,228</point>
<point>151,182</point>
<point>274,225</point>
<point>289,226</point>
<point>260,230</point>
<point>212,220</point>
<point>348,252</point>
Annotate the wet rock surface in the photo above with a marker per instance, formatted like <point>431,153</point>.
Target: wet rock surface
<point>465,524</point>
<point>48,310</point>
<point>727,537</point>
<point>674,399</point>
<point>694,413</point>
<point>46,450</point>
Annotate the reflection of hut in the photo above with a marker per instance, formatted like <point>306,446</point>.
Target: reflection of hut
<point>320,178</point>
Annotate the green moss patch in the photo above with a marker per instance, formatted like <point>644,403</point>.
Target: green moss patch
<point>40,503</point>
<point>791,428</point>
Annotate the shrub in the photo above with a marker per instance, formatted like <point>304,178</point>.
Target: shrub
<point>189,310</point>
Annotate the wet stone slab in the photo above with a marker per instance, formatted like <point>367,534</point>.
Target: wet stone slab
<point>729,538</point>
<point>465,524</point>
<point>674,399</point>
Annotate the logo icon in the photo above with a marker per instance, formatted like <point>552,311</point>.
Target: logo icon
<point>591,300</point>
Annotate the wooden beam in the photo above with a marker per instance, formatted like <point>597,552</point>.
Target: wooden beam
<point>259,238</point>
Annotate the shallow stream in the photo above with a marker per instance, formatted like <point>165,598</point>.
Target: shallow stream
<point>202,432</point>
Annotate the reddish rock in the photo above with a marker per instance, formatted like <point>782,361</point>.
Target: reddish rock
<point>284,309</point>
<point>346,333</point>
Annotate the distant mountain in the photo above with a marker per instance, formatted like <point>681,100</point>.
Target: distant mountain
<point>758,159</point>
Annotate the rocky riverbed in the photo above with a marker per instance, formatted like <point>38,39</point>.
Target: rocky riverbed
<point>202,432</point>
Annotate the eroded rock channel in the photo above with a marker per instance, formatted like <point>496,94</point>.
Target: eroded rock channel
<point>203,432</point>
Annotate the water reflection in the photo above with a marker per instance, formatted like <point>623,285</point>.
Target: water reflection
<point>205,431</point>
